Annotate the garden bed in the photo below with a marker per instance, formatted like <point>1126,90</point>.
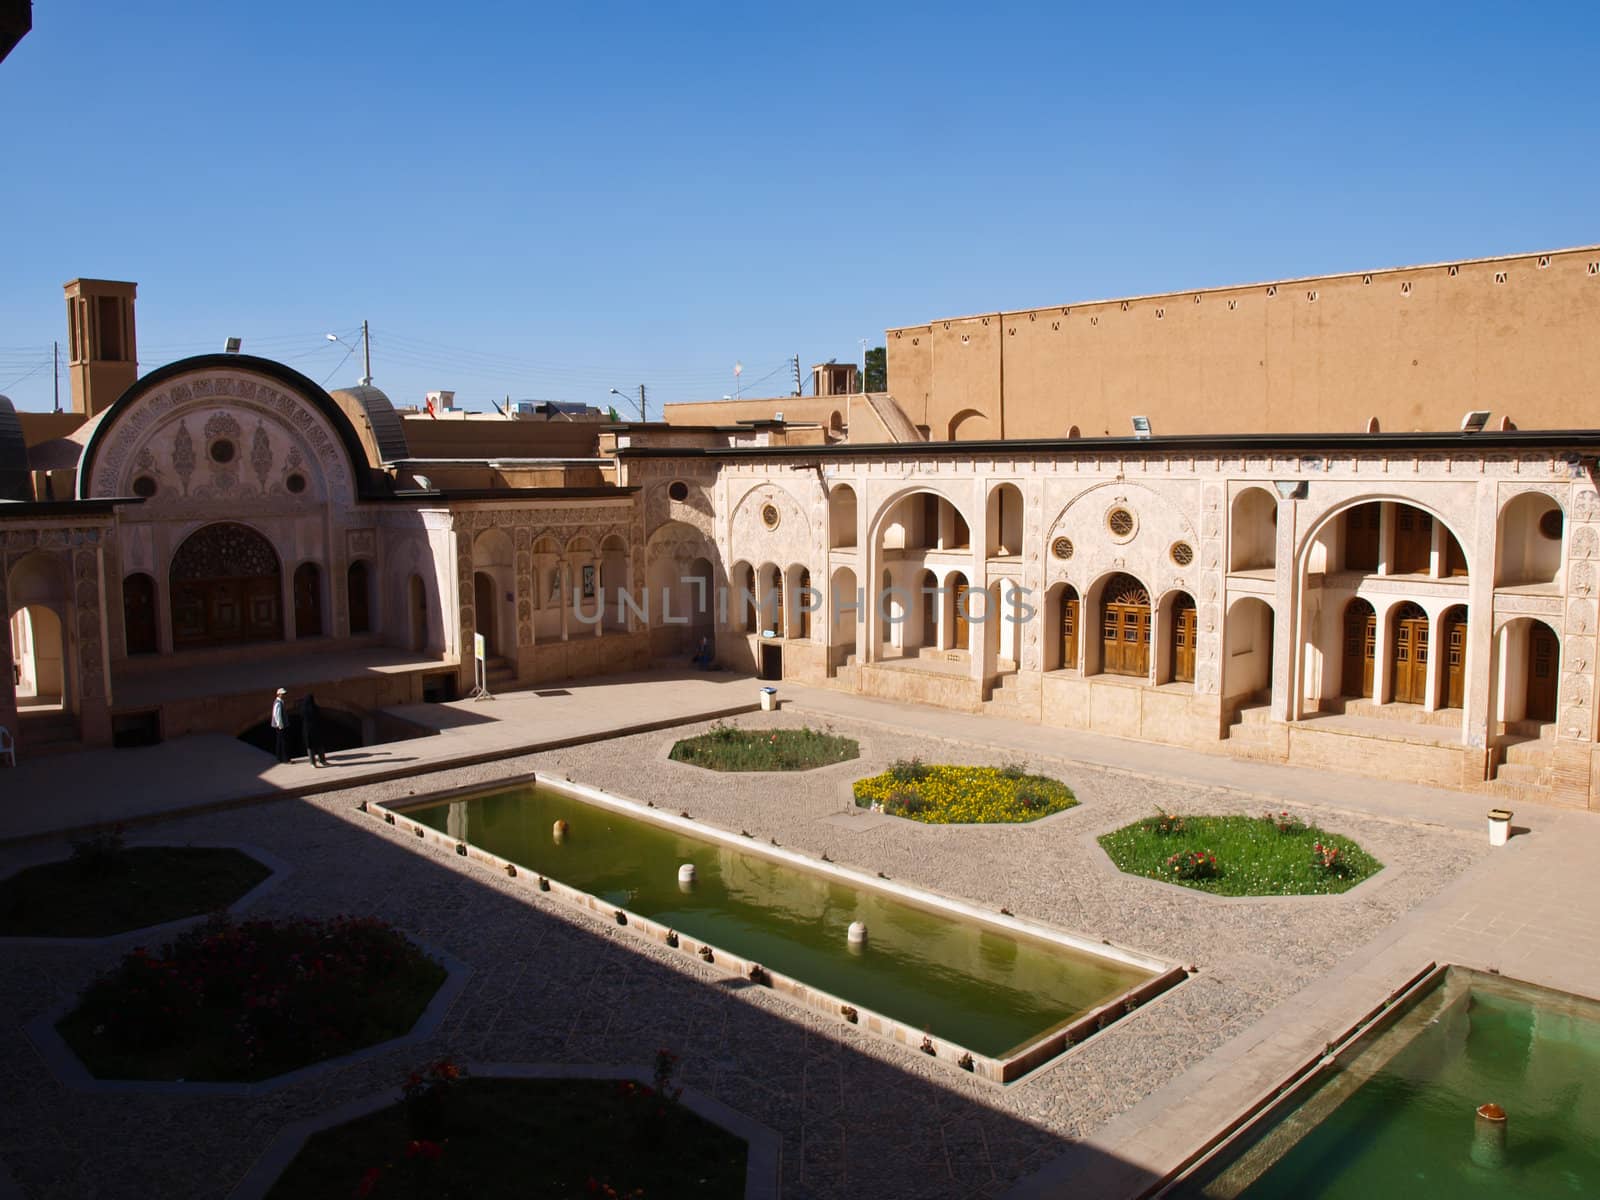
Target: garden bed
<point>959,795</point>
<point>729,748</point>
<point>577,1138</point>
<point>244,1002</point>
<point>1271,855</point>
<point>105,889</point>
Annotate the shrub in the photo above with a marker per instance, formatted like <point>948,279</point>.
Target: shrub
<point>1284,823</point>
<point>1328,859</point>
<point>1193,864</point>
<point>907,770</point>
<point>906,802</point>
<point>1015,769</point>
<point>100,853</point>
<point>1163,824</point>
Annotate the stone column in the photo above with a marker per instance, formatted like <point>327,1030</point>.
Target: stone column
<point>1386,524</point>
<point>1382,661</point>
<point>1287,590</point>
<point>1431,697</point>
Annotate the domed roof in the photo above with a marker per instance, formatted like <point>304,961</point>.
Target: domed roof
<point>15,483</point>
<point>375,420</point>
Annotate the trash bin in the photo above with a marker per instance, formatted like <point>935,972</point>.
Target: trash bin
<point>769,699</point>
<point>1499,826</point>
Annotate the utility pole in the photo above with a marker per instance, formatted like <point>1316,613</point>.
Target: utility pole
<point>642,415</point>
<point>366,356</point>
<point>55,366</point>
<point>795,361</point>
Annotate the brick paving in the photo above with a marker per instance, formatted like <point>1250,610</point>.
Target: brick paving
<point>857,1116</point>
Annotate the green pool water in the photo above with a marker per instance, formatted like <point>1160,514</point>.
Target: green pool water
<point>986,990</point>
<point>1398,1120</point>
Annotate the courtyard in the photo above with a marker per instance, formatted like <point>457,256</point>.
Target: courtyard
<point>1273,979</point>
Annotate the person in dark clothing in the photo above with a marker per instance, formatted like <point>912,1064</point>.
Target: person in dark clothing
<point>310,730</point>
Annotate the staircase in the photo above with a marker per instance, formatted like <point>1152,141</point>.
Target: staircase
<point>500,675</point>
<point>1011,696</point>
<point>1251,734</point>
<point>1526,769</point>
<point>46,731</point>
<point>893,417</point>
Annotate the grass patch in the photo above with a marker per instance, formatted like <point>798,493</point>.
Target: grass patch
<point>956,795</point>
<point>1273,855</point>
<point>96,895</point>
<point>729,748</point>
<point>576,1138</point>
<point>248,1001</point>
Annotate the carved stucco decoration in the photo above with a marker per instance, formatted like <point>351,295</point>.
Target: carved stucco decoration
<point>794,540</point>
<point>215,401</point>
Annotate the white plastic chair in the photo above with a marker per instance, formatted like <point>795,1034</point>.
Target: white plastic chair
<point>8,748</point>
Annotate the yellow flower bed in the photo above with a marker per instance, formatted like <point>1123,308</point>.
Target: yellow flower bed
<point>956,795</point>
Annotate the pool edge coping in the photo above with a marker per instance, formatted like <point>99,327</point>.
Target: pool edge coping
<point>1027,1058</point>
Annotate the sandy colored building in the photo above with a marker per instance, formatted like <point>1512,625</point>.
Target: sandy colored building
<point>1407,604</point>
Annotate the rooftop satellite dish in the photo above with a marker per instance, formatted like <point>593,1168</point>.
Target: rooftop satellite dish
<point>423,482</point>
<point>1141,427</point>
<point>231,346</point>
<point>1475,420</point>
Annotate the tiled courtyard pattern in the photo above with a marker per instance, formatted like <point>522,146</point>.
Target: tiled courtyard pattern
<point>857,1116</point>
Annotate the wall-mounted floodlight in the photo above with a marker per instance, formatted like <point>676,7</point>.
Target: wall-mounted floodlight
<point>1290,489</point>
<point>231,346</point>
<point>1475,420</point>
<point>1141,427</point>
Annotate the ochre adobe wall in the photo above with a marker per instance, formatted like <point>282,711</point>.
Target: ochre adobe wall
<point>1415,347</point>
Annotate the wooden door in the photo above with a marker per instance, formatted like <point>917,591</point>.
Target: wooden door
<point>1183,637</point>
<point>483,611</point>
<point>1069,630</point>
<point>1455,646</point>
<point>359,597</point>
<point>1126,628</point>
<point>1360,645</point>
<point>139,614</point>
<point>307,601</point>
<point>803,604</point>
<point>1361,528</point>
<point>1411,656</point>
<point>1544,661</point>
<point>1413,541</point>
<point>930,611</point>
<point>961,629</point>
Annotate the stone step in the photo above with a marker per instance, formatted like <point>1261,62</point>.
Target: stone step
<point>1544,731</point>
<point>1413,714</point>
<point>1252,714</point>
<point>1533,753</point>
<point>1523,774</point>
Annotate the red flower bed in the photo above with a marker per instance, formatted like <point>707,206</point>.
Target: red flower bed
<point>251,1000</point>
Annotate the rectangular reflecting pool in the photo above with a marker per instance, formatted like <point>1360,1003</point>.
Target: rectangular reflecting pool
<point>926,966</point>
<point>1399,1118</point>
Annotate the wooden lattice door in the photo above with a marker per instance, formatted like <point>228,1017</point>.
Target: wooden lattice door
<point>1360,644</point>
<point>959,642</point>
<point>1183,638</point>
<point>1410,656</point>
<point>1126,627</point>
<point>1069,630</point>
<point>1455,648</point>
<point>1544,661</point>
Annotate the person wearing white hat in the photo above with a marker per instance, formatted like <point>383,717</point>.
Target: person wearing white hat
<point>280,726</point>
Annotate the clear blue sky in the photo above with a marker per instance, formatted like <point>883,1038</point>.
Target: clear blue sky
<point>552,200</point>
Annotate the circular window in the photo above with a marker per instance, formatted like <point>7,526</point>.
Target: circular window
<point>222,451</point>
<point>296,483</point>
<point>144,486</point>
<point>769,515</point>
<point>1121,523</point>
<point>1061,547</point>
<point>1550,524</point>
<point>678,490</point>
<point>1182,553</point>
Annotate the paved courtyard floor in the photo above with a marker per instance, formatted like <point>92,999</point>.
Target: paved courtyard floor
<point>1276,978</point>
